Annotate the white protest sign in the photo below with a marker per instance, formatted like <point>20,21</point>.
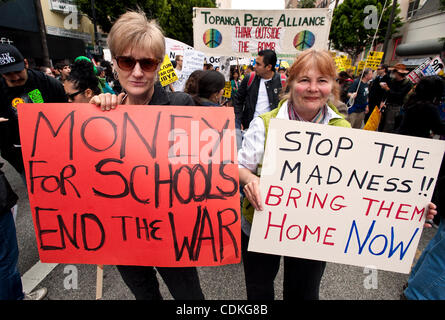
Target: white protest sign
<point>428,67</point>
<point>174,47</point>
<point>415,75</point>
<point>192,60</point>
<point>225,67</point>
<point>434,67</point>
<point>344,195</point>
<point>245,32</point>
<point>216,61</point>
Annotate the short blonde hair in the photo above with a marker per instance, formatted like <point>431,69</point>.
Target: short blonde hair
<point>134,30</point>
<point>314,58</point>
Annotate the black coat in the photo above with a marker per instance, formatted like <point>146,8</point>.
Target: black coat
<point>163,97</point>
<point>398,91</point>
<point>244,101</point>
<point>418,120</point>
<point>49,90</point>
<point>7,196</point>
<point>376,92</point>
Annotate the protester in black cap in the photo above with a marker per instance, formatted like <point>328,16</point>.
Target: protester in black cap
<point>18,84</point>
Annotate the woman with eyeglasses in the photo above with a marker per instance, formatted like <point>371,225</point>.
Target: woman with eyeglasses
<point>81,84</point>
<point>137,46</point>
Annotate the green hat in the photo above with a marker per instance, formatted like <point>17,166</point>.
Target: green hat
<point>86,59</point>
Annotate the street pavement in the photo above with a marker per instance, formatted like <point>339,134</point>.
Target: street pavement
<point>78,282</point>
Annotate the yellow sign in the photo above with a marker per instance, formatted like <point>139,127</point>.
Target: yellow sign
<point>360,67</point>
<point>227,90</point>
<point>284,64</point>
<point>343,63</point>
<point>374,59</point>
<point>167,73</point>
<point>339,63</point>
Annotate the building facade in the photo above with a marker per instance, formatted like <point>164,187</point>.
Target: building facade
<point>68,33</point>
<point>423,34</point>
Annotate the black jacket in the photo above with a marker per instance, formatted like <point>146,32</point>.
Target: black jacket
<point>7,196</point>
<point>246,98</point>
<point>164,97</point>
<point>419,119</point>
<point>38,88</point>
<point>398,91</point>
<point>376,92</point>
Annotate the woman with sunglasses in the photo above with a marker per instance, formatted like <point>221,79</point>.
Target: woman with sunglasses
<point>81,84</point>
<point>137,46</point>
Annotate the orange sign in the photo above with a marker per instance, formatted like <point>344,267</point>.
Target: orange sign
<point>140,185</point>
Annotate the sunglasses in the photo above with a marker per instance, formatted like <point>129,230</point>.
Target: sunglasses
<point>71,96</point>
<point>128,63</point>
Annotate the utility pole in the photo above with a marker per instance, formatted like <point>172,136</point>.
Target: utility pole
<point>93,11</point>
<point>388,29</point>
<point>42,31</point>
<point>336,4</point>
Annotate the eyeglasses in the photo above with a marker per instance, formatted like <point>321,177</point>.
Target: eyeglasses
<point>71,96</point>
<point>128,63</point>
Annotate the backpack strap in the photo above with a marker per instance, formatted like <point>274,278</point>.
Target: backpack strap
<point>251,77</point>
<point>283,80</point>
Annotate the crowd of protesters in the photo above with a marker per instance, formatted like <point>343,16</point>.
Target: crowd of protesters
<point>258,93</point>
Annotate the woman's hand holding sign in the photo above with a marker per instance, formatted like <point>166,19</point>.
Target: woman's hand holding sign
<point>431,212</point>
<point>107,101</point>
<point>251,188</point>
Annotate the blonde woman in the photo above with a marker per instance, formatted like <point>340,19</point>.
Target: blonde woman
<point>137,46</point>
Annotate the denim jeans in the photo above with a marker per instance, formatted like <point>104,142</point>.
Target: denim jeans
<point>427,279</point>
<point>10,280</point>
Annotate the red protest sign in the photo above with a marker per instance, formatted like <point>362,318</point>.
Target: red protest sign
<point>139,185</point>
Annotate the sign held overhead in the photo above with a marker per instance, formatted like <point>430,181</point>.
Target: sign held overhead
<point>246,32</point>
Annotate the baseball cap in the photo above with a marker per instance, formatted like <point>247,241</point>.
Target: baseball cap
<point>11,60</point>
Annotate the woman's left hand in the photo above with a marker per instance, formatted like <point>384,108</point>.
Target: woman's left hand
<point>107,101</point>
<point>431,212</point>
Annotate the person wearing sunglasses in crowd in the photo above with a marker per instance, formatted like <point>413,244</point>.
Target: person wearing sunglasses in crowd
<point>82,83</point>
<point>137,46</point>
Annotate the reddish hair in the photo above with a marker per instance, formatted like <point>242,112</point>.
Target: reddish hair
<point>314,58</point>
